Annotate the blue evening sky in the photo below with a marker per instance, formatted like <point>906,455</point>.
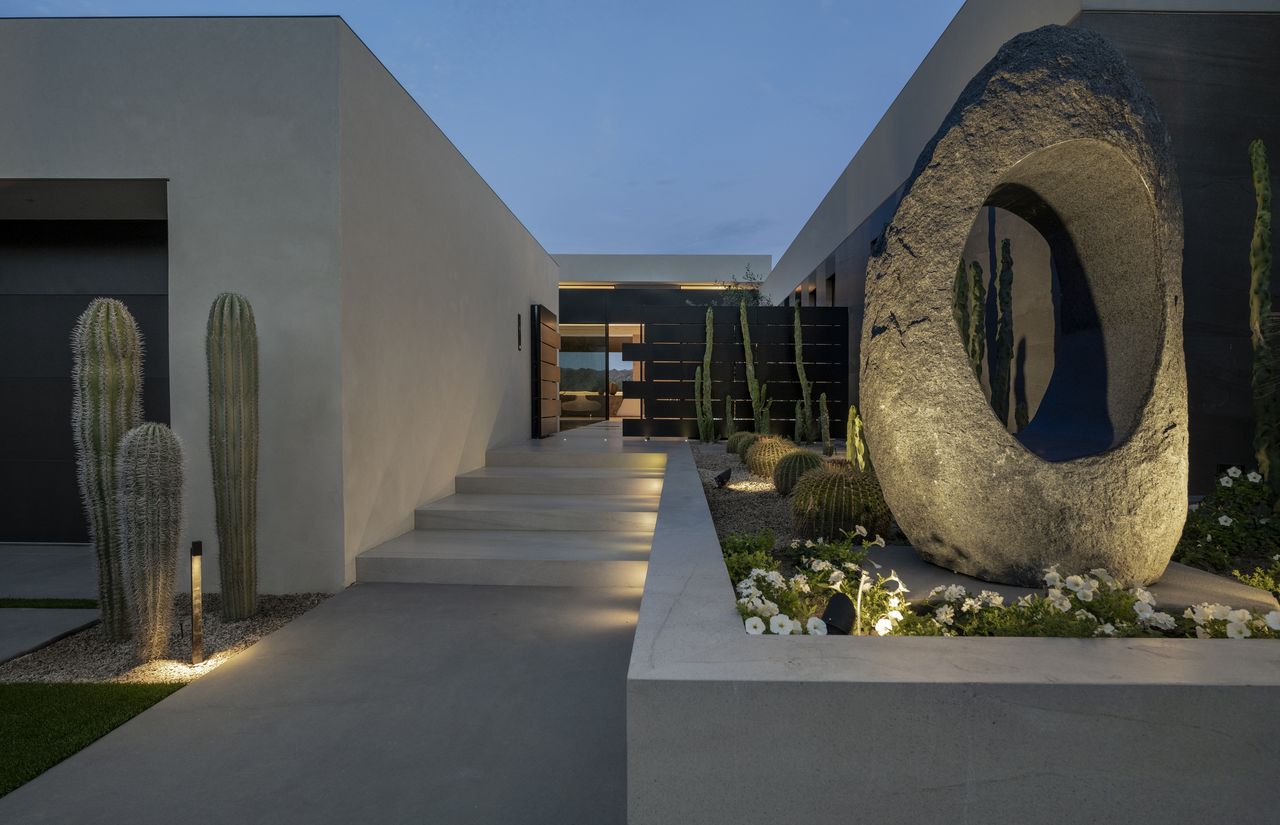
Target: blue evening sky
<point>611,126</point>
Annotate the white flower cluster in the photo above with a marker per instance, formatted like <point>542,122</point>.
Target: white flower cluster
<point>1236,624</point>
<point>1234,473</point>
<point>758,594</point>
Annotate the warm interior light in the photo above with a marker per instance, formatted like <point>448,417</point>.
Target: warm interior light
<point>584,285</point>
<point>717,287</point>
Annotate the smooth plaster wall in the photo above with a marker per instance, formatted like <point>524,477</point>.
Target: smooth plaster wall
<point>435,270</point>
<point>239,115</point>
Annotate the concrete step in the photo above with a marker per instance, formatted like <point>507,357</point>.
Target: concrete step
<point>543,512</point>
<point>510,557</point>
<point>560,481</point>
<point>578,452</point>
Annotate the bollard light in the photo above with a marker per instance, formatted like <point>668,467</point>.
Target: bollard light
<point>197,607</point>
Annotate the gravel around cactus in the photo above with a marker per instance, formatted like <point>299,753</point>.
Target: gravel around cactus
<point>88,656</point>
<point>762,456</point>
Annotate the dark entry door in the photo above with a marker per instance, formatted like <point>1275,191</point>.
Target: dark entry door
<point>49,272</point>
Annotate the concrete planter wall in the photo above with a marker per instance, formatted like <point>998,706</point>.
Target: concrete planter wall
<point>722,726</point>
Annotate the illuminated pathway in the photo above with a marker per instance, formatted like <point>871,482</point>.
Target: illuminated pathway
<point>431,703</point>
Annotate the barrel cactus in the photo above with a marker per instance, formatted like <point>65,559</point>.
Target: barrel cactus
<point>740,441</point>
<point>149,501</point>
<point>763,455</point>
<point>106,404</point>
<point>791,466</point>
<point>834,499</point>
<point>231,345</point>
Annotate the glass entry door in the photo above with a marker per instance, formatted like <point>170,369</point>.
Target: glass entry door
<point>584,374</point>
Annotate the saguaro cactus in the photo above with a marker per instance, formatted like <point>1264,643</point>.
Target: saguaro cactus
<point>1266,406</point>
<point>149,499</point>
<point>106,404</point>
<point>977,319</point>
<point>759,391</point>
<point>231,346</point>
<point>1002,358</point>
<point>804,420</point>
<point>702,391</point>
<point>855,450</point>
<point>825,421</point>
<point>730,427</point>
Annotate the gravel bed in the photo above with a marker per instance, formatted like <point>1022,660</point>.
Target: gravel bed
<point>88,657</point>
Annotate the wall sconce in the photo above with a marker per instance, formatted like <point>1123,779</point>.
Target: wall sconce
<point>197,606</point>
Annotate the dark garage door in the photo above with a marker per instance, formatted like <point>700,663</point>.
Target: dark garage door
<point>49,271</point>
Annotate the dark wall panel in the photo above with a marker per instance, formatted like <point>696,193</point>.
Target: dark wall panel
<point>49,272</point>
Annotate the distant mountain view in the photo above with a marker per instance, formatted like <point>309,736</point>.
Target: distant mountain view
<point>584,379</point>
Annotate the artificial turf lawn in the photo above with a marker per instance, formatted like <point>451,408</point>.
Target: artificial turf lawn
<point>79,604</point>
<point>42,724</point>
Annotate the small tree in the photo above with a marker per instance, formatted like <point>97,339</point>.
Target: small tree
<point>746,289</point>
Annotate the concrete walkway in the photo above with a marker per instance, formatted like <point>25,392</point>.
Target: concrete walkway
<point>389,703</point>
<point>44,571</point>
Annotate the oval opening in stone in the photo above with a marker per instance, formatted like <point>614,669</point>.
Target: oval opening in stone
<point>1083,298</point>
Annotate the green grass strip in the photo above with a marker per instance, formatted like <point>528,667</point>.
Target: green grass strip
<point>75,604</point>
<point>42,724</point>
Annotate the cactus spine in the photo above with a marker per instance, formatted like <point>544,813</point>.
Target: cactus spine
<point>763,455</point>
<point>759,391</point>
<point>855,449</point>
<point>702,392</point>
<point>729,427</point>
<point>804,410</point>
<point>977,319</point>
<point>824,419</point>
<point>149,495</point>
<point>1002,358</point>
<point>1266,433</point>
<point>791,467</point>
<point>834,499</point>
<point>107,403</point>
<point>231,346</point>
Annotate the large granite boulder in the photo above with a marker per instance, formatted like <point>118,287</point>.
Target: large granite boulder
<point>1058,130</point>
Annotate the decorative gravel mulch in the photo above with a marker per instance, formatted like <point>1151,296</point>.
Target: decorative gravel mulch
<point>88,657</point>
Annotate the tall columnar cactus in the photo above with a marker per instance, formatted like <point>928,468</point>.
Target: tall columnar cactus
<point>855,449</point>
<point>804,420</point>
<point>824,420</point>
<point>759,391</point>
<point>834,499</point>
<point>1002,357</point>
<point>730,427</point>
<point>1266,405</point>
<point>791,467</point>
<point>1021,410</point>
<point>106,404</point>
<point>231,346</point>
<point>977,319</point>
<point>702,391</point>
<point>149,499</point>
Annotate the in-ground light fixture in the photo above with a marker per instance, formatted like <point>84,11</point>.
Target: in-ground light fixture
<point>197,606</point>
<point>838,617</point>
<point>722,478</point>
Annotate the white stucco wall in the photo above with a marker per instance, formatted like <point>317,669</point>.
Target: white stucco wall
<point>435,270</point>
<point>239,116</point>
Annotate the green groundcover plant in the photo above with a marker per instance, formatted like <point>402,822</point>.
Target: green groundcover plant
<point>1085,604</point>
<point>1233,530</point>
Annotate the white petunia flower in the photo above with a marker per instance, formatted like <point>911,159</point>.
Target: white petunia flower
<point>808,544</point>
<point>861,531</point>
<point>1219,611</point>
<point>971,606</point>
<point>1073,583</point>
<point>1143,610</point>
<point>1234,472</point>
<point>1057,600</point>
<point>884,626</point>
<point>799,584</point>
<point>991,598</point>
<point>1101,574</point>
<point>1254,477</point>
<point>1225,520</point>
<point>816,626</point>
<point>1225,481</point>
<point>767,608</point>
<point>781,624</point>
<point>1107,629</point>
<point>1144,595</point>
<point>1087,589</point>
<point>945,615</point>
<point>775,578</point>
<point>1162,621</point>
<point>1025,601</point>
<point>878,541</point>
<point>755,625</point>
<point>1201,633</point>
<point>1239,616</point>
<point>894,601</point>
<point>837,576</point>
<point>1273,620</point>
<point>819,566</point>
<point>1052,578</point>
<point>954,592</point>
<point>1086,615</point>
<point>1238,630</point>
<point>896,615</point>
<point>1199,614</point>
<point>795,544</point>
